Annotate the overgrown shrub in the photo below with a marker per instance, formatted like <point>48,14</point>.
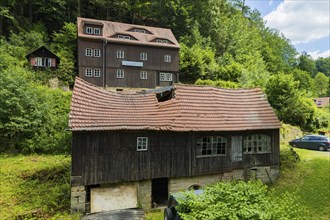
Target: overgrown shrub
<point>288,157</point>
<point>240,200</point>
<point>33,118</point>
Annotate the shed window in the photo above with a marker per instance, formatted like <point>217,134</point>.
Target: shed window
<point>142,144</point>
<point>211,146</point>
<point>165,77</point>
<point>257,143</point>
<point>167,58</point>
<point>43,62</point>
<point>120,74</point>
<point>120,54</point>
<point>143,56</point>
<point>143,75</point>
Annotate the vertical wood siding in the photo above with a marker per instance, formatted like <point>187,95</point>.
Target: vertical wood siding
<point>110,157</point>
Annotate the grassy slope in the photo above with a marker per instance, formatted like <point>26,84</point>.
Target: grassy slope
<point>34,187</point>
<point>310,179</point>
<point>38,186</point>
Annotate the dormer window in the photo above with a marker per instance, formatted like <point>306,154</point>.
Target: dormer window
<point>124,37</point>
<point>162,41</point>
<point>139,30</point>
<point>94,31</point>
<point>97,31</point>
<point>89,30</point>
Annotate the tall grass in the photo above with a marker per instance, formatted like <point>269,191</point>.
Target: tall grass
<point>34,187</point>
<point>310,180</point>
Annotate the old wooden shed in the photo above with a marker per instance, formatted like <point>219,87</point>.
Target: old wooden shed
<point>139,147</point>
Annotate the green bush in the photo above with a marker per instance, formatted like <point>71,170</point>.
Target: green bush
<point>33,118</point>
<point>288,157</point>
<point>240,200</point>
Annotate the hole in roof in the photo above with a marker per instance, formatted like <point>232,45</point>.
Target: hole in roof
<point>164,96</point>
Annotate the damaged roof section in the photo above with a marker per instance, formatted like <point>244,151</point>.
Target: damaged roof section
<point>163,93</point>
<point>173,108</point>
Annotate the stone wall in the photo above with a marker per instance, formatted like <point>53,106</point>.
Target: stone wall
<point>78,199</point>
<point>265,173</point>
<point>182,184</point>
<point>144,194</point>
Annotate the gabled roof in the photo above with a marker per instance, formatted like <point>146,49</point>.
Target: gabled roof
<point>112,29</point>
<point>43,50</point>
<point>191,108</point>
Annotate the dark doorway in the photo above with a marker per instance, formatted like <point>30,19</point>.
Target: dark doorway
<point>159,188</point>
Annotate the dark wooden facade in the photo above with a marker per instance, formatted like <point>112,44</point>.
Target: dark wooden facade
<point>102,157</point>
<point>106,62</point>
<point>43,58</point>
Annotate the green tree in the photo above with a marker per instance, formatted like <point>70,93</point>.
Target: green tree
<point>322,82</point>
<point>65,46</point>
<point>323,65</point>
<point>290,104</point>
<point>306,82</point>
<point>33,118</point>
<point>306,63</point>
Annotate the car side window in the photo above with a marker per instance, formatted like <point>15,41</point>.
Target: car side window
<point>305,138</point>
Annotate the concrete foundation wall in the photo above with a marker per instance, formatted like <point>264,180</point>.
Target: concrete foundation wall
<point>138,194</point>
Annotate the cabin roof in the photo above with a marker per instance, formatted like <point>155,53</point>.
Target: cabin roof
<point>189,108</point>
<point>111,29</point>
<point>43,50</point>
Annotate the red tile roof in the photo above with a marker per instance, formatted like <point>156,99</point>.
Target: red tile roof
<point>112,29</point>
<point>193,108</point>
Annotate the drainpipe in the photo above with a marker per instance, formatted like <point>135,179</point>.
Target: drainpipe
<point>105,41</point>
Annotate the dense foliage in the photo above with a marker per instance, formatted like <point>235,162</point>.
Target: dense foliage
<point>240,200</point>
<point>223,43</point>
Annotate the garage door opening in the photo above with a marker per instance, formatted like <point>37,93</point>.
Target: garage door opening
<point>159,191</point>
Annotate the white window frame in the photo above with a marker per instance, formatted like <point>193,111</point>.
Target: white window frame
<point>89,52</point>
<point>161,41</point>
<point>97,73</point>
<point>143,75</point>
<point>167,58</point>
<point>38,61</point>
<point>124,37</point>
<point>139,31</point>
<point>97,53</point>
<point>256,144</point>
<point>97,31</point>
<point>120,74</point>
<point>43,61</point>
<point>165,77</point>
<point>143,56</point>
<point>120,54</point>
<point>142,143</point>
<point>89,30</point>
<point>211,146</point>
<point>88,72</point>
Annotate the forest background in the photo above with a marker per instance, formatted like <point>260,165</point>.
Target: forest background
<point>223,43</point>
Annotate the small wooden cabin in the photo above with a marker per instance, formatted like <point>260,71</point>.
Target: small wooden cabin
<point>132,150</point>
<point>43,58</point>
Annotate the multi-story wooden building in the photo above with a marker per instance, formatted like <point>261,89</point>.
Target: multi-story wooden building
<point>112,54</point>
